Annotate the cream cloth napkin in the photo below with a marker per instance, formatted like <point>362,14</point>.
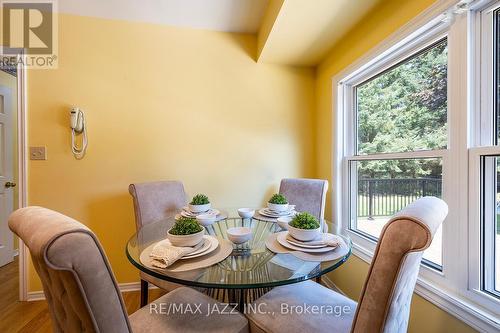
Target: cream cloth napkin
<point>323,240</point>
<point>165,254</point>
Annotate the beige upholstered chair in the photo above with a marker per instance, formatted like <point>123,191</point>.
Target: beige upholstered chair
<point>308,195</point>
<point>384,305</point>
<point>155,201</point>
<point>82,292</point>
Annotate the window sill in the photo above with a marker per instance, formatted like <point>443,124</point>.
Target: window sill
<point>457,306</point>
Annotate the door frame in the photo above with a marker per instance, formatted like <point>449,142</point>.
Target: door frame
<point>22,144</point>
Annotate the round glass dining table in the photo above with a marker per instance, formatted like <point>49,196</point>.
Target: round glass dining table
<point>248,272</point>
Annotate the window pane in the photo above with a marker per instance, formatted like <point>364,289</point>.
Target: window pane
<point>496,48</point>
<point>384,187</point>
<point>405,108</point>
<point>491,223</point>
<point>496,227</point>
<point>496,221</point>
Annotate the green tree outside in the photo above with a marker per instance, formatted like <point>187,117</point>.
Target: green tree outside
<point>404,109</point>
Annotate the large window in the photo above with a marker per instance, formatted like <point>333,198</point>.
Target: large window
<point>402,110</point>
<point>417,116</point>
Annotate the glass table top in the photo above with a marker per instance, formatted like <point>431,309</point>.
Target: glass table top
<point>250,265</point>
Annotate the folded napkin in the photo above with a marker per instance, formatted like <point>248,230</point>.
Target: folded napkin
<point>322,240</point>
<point>165,254</point>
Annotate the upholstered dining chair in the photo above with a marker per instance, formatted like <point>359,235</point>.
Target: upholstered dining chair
<point>81,290</point>
<point>154,201</point>
<point>308,195</point>
<point>384,305</point>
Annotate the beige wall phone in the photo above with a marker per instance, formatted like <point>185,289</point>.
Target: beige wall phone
<point>78,127</point>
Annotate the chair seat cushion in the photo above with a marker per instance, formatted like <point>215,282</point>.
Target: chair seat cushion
<point>300,308</point>
<point>187,310</point>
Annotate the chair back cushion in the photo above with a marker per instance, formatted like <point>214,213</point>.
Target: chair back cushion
<point>384,305</point>
<point>77,280</point>
<point>308,195</point>
<point>156,200</point>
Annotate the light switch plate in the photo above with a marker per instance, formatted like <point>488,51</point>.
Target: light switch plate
<point>38,153</point>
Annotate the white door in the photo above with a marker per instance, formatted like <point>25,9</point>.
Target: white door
<point>6,176</point>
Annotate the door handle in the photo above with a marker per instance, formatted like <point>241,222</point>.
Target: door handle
<point>10,184</point>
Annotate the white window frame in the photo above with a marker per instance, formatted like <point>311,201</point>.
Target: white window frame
<point>450,289</point>
<point>482,145</point>
<point>475,230</point>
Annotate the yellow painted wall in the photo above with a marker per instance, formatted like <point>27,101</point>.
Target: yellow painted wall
<point>11,82</point>
<point>163,103</point>
<point>375,27</point>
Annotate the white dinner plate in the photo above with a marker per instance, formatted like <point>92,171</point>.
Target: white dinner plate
<point>299,243</point>
<point>186,213</point>
<point>281,238</point>
<point>211,244</point>
<point>269,213</point>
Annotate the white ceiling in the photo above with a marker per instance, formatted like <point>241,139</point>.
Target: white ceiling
<point>220,15</point>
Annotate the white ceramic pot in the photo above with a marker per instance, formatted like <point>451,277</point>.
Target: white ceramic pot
<point>304,235</point>
<point>199,208</point>
<point>283,222</point>
<point>206,219</point>
<point>186,240</point>
<point>246,213</point>
<point>239,235</point>
<point>277,207</point>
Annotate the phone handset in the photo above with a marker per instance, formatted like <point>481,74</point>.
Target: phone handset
<point>78,126</point>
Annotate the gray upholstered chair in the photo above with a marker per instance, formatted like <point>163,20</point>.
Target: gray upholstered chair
<point>82,292</point>
<point>155,201</point>
<point>308,195</point>
<point>384,305</point>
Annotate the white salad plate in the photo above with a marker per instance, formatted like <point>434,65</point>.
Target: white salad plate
<point>283,241</point>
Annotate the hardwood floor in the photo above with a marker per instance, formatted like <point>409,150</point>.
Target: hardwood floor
<point>34,317</point>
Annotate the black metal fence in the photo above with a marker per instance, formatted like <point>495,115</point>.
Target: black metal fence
<point>384,197</point>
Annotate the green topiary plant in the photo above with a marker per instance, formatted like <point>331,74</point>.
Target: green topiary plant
<point>185,226</point>
<point>200,199</point>
<point>304,221</point>
<point>278,199</point>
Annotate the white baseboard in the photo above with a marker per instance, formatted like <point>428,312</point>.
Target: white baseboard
<point>124,288</point>
<point>133,286</point>
<point>35,296</point>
